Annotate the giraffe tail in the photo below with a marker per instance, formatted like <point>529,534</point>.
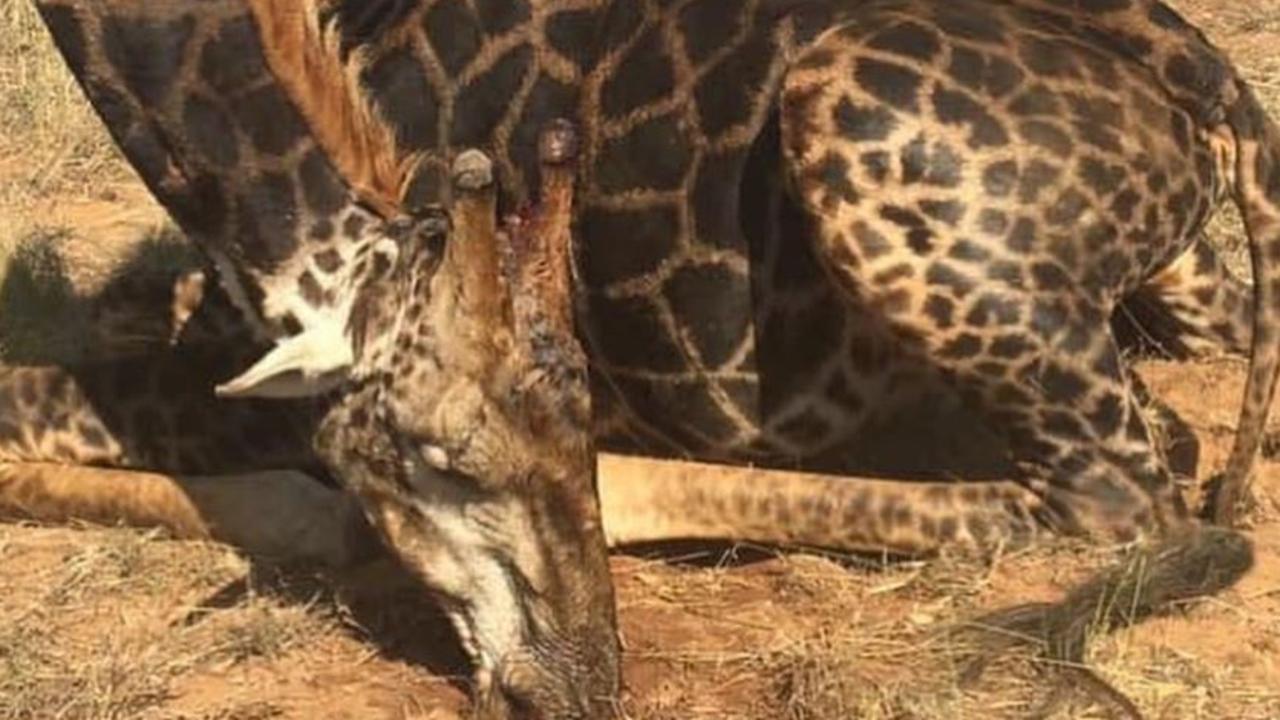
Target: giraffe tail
<point>1257,193</point>
<point>1195,562</point>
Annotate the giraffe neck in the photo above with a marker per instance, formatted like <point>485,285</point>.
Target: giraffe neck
<point>449,75</point>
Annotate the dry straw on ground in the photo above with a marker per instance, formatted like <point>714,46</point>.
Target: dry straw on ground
<point>114,624</point>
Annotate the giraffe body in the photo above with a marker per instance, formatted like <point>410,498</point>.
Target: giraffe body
<point>788,218</point>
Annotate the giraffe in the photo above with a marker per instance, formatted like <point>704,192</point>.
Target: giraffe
<point>788,213</point>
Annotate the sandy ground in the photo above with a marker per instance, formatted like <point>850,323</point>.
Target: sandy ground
<point>112,623</point>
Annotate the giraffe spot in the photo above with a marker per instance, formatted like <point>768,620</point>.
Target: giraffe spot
<point>202,210</point>
<point>1099,136</point>
<point>992,75</point>
<point>1007,273</point>
<point>944,274</point>
<point>405,98</point>
<point>321,230</point>
<point>1000,178</point>
<point>324,192</point>
<point>328,261</point>
<point>876,164</point>
<point>832,173</point>
<point>902,217</point>
<point>863,123</point>
<point>716,203</point>
<point>454,34</point>
<point>643,76</point>
<point>908,39</point>
<point>890,83</point>
<point>707,26</point>
<point>353,226</point>
<point>1046,135</point>
<point>959,21</point>
<point>569,32</point>
<point>949,212</point>
<point>1107,415</point>
<point>1047,58</point>
<point>967,67</point>
<point>620,24</point>
<point>1050,277</point>
<point>232,60</point>
<point>965,250</point>
<point>962,347</point>
<point>210,132</point>
<point>1022,238</point>
<point>685,413</point>
<point>1049,317</point>
<point>1037,100</point>
<point>267,216</point>
<point>920,240</point>
<point>310,289</point>
<point>1061,385</point>
<point>871,243</point>
<point>655,155</point>
<point>625,244</point>
<point>148,54</point>
<point>629,332</point>
<point>956,108</point>
<point>500,16</point>
<point>712,305</point>
<point>729,94</point>
<point>940,166</point>
<point>270,120</point>
<point>482,103</point>
<point>1099,176</point>
<point>941,310</point>
<point>1124,204</point>
<point>1037,176</point>
<point>993,222</point>
<point>1067,209</point>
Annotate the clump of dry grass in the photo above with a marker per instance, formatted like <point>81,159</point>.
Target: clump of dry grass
<point>94,635</point>
<point>53,141</point>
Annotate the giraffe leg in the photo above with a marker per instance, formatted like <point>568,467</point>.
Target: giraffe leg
<point>284,515</point>
<point>648,500</point>
<point>61,459</point>
<point>1194,307</point>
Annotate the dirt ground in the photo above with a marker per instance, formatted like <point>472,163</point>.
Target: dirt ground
<point>112,623</point>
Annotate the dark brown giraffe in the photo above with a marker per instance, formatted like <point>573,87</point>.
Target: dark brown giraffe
<point>789,214</point>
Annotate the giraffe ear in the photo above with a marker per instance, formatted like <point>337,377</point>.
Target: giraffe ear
<point>311,363</point>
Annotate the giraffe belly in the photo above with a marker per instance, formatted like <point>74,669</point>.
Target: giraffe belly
<point>831,391</point>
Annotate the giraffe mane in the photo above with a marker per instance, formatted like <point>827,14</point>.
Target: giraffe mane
<point>304,56</point>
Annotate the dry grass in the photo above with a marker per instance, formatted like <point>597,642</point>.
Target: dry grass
<point>53,141</point>
<point>107,624</point>
<point>93,632</point>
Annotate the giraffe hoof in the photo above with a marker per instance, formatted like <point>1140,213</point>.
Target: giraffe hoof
<point>472,170</point>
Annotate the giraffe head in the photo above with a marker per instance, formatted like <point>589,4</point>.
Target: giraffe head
<point>466,431</point>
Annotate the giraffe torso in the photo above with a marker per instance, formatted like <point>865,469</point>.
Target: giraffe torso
<point>714,330</point>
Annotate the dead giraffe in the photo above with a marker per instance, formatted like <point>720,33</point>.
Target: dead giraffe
<point>973,198</point>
